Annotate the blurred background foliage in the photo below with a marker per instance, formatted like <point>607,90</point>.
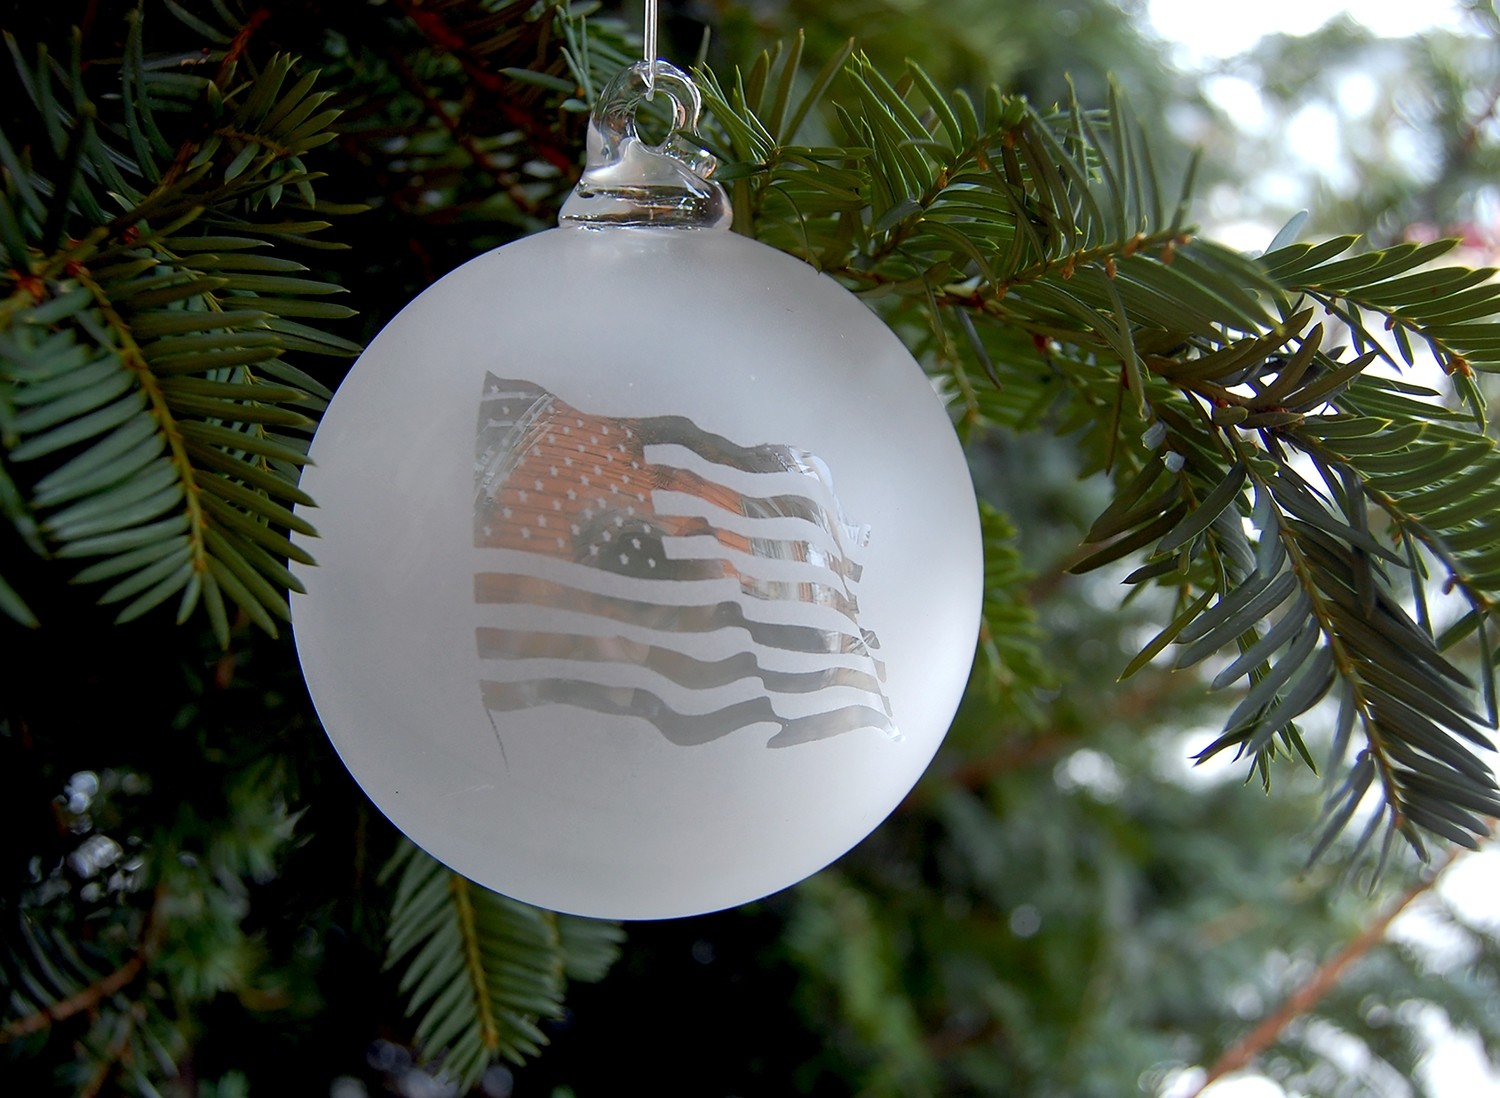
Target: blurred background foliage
<point>192,899</point>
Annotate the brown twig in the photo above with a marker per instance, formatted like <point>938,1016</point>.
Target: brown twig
<point>117,1052</point>
<point>238,43</point>
<point>86,999</point>
<point>232,54</point>
<point>91,996</point>
<point>1018,752</point>
<point>1248,1047</point>
<point>445,38</point>
<point>504,180</point>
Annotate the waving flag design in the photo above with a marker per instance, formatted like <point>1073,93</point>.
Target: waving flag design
<point>647,568</point>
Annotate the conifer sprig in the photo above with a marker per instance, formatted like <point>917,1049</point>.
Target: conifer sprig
<point>481,970</point>
<point>152,428</point>
<point>1281,487</point>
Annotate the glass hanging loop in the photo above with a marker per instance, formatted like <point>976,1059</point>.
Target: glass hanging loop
<point>627,181</point>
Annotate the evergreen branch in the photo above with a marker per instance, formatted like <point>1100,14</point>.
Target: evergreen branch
<point>131,358</point>
<point>86,999</point>
<point>154,320</point>
<point>475,39</point>
<point>1012,667</point>
<point>1051,237</point>
<point>1425,776</point>
<point>129,1023</point>
<point>1443,307</point>
<point>468,932</point>
<point>500,88</point>
<point>480,969</point>
<point>1341,626</point>
<point>466,140</point>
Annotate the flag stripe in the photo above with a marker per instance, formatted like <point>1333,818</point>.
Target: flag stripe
<point>757,495</point>
<point>681,729</point>
<point>679,431</point>
<point>500,587</point>
<point>784,518</point>
<point>765,555</point>
<point>678,667</point>
<point>692,581</point>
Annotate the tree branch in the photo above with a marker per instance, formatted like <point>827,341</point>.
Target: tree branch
<point>441,36</point>
<point>86,999</point>
<point>1247,1048</point>
<point>232,55</point>
<point>460,134</point>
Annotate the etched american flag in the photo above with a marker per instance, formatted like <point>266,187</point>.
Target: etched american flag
<point>646,568</point>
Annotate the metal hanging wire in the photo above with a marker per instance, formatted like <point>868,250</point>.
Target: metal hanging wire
<point>649,35</point>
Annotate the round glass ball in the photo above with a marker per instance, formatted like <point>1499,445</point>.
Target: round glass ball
<point>649,571</point>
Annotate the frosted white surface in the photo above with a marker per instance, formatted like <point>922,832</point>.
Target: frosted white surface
<point>562,805</point>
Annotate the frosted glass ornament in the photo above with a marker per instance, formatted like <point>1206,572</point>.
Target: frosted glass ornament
<point>649,565</point>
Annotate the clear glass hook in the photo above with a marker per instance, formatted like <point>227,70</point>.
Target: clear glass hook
<point>627,181</point>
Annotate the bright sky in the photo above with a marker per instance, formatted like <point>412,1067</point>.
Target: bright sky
<point>1208,32</point>
<point>1204,34</point>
